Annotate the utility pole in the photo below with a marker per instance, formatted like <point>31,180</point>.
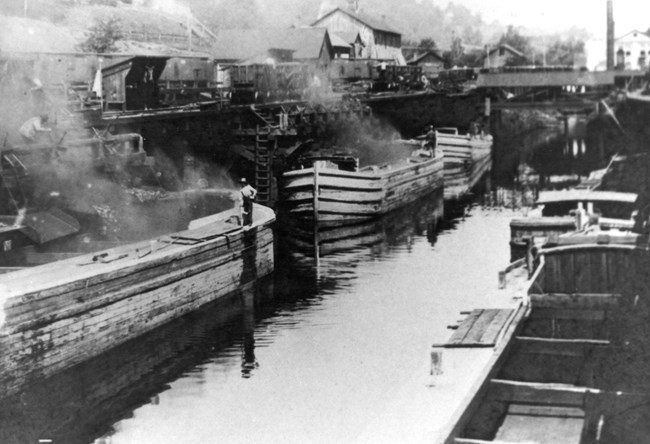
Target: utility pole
<point>189,31</point>
<point>610,35</point>
<point>25,8</point>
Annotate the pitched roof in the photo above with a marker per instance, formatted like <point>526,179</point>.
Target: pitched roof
<point>634,32</point>
<point>379,25</point>
<point>339,42</point>
<point>238,44</point>
<point>245,44</point>
<point>416,58</point>
<point>348,37</point>
<point>306,41</point>
<point>507,48</point>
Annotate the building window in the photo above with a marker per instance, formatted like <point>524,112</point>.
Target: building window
<point>620,57</point>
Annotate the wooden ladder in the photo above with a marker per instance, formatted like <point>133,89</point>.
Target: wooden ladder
<point>263,160</point>
<point>264,115</point>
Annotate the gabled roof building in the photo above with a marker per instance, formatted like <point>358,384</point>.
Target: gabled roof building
<point>273,45</point>
<point>379,40</point>
<point>502,55</point>
<point>430,61</point>
<point>632,50</point>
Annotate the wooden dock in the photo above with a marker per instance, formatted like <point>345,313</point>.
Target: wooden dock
<point>481,328</point>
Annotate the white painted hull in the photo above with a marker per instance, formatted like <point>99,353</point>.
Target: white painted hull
<point>57,315</point>
<point>356,196</point>
<point>467,160</point>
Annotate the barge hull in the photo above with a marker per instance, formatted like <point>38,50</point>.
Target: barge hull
<point>57,315</point>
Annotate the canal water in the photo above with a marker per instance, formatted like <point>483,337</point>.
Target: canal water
<point>333,348</point>
<point>316,354</point>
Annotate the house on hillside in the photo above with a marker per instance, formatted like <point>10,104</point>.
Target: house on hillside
<point>430,61</point>
<point>632,50</point>
<point>502,55</point>
<point>378,40</point>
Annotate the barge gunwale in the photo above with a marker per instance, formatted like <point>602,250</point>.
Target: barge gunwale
<point>53,317</point>
<point>346,196</point>
<point>548,393</point>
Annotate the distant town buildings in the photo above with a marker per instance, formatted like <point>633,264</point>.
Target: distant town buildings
<point>500,56</point>
<point>377,40</point>
<point>430,61</point>
<point>632,50</point>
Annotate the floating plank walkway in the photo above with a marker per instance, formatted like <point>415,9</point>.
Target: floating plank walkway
<point>481,328</point>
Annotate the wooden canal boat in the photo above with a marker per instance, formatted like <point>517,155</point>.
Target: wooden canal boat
<point>557,212</point>
<point>467,159</point>
<point>58,314</point>
<point>80,404</point>
<point>332,191</point>
<point>314,240</point>
<point>574,368</point>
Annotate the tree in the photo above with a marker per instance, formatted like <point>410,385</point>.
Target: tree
<point>427,44</point>
<point>472,36</point>
<point>513,38</point>
<point>454,57</point>
<point>103,36</point>
<point>569,52</point>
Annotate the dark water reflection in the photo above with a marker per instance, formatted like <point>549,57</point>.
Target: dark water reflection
<point>575,148</point>
<point>311,355</point>
<point>314,354</point>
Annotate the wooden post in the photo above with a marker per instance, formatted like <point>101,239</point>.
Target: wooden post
<point>315,203</point>
<point>502,280</point>
<point>189,32</point>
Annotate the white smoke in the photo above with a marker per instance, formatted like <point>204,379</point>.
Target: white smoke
<point>167,6</point>
<point>325,7</point>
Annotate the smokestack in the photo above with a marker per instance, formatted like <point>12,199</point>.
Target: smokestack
<point>610,35</point>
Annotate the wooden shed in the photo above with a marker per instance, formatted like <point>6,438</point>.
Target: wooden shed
<point>133,83</point>
<point>430,61</point>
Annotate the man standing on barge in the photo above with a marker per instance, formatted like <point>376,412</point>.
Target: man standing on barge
<point>247,194</point>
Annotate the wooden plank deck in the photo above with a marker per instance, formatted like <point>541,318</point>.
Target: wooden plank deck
<point>542,424</point>
<point>207,232</point>
<point>481,328</point>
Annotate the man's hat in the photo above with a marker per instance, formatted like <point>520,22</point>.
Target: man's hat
<point>242,180</point>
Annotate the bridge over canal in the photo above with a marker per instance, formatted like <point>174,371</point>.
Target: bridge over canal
<point>569,90</point>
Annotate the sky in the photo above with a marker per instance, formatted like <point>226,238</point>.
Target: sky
<point>556,15</point>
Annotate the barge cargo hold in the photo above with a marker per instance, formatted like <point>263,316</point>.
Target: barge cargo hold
<point>574,370</point>
<point>59,314</point>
